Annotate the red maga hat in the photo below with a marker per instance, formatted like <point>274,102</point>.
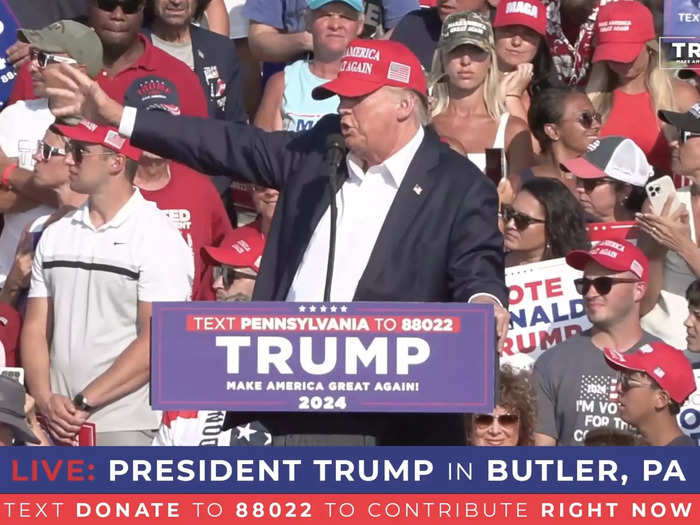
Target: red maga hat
<point>242,248</point>
<point>371,64</point>
<point>528,13</point>
<point>622,29</point>
<point>667,365</point>
<point>87,131</point>
<point>619,256</point>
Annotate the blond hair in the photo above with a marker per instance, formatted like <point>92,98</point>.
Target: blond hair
<point>438,88</point>
<point>602,83</point>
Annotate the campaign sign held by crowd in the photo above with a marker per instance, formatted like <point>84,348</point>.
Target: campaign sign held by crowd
<point>545,308</point>
<point>318,357</point>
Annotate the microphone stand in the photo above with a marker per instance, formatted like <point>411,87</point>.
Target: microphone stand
<point>336,151</point>
<point>332,183</point>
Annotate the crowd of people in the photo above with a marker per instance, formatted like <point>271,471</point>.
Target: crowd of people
<point>175,150</point>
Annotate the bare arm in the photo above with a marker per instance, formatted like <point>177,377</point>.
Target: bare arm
<point>273,45</point>
<point>23,190</point>
<point>269,115</point>
<point>130,370</point>
<point>217,17</point>
<point>518,146</point>
<point>63,418</point>
<point>34,349</point>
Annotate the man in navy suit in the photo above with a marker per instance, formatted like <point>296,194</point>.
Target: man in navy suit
<point>416,221</point>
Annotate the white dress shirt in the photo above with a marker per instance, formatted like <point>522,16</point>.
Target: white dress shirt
<point>363,203</point>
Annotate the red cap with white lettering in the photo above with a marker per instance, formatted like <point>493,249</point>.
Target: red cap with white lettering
<point>371,64</point>
<point>622,29</point>
<point>242,248</point>
<point>528,13</point>
<point>619,256</point>
<point>667,365</point>
<point>91,133</point>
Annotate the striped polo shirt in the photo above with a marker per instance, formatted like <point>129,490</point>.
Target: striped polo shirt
<point>95,278</point>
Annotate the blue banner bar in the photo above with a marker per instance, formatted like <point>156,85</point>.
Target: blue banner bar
<point>448,470</point>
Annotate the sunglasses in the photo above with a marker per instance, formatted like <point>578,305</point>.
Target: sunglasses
<point>627,383</point>
<point>587,118</point>
<point>79,151</point>
<point>43,58</point>
<point>603,285</point>
<point>504,420</point>
<point>521,220</point>
<point>229,274</point>
<point>128,6</point>
<point>687,135</point>
<point>591,184</point>
<point>46,151</point>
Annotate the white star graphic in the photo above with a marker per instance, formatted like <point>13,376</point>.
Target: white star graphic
<point>302,308</point>
<point>312,308</point>
<point>343,308</point>
<point>323,308</point>
<point>245,432</point>
<point>334,308</point>
<point>268,438</point>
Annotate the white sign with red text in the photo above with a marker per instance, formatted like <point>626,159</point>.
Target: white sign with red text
<point>545,308</point>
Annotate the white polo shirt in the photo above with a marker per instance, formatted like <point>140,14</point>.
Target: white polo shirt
<point>95,277</point>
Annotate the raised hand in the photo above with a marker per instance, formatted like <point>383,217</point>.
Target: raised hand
<point>72,93</point>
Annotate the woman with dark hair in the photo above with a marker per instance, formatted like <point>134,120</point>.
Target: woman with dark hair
<point>563,121</point>
<point>524,62</point>
<point>211,56</point>
<point>544,222</point>
<point>512,423</point>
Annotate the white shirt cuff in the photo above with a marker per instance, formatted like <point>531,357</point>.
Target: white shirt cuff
<point>128,121</point>
<point>486,295</point>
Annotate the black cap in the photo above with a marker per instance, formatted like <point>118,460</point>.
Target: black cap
<point>688,121</point>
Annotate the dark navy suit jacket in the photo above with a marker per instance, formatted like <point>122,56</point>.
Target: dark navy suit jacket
<point>440,241</point>
<point>211,50</point>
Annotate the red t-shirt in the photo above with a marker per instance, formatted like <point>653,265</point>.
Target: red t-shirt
<point>155,73</point>
<point>10,325</point>
<point>192,202</point>
<point>633,116</point>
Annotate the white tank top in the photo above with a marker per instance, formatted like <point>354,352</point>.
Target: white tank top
<point>499,142</point>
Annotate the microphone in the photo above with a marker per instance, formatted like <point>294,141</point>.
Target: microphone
<point>335,150</point>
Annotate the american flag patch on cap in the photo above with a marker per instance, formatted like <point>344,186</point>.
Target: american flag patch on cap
<point>114,139</point>
<point>399,72</point>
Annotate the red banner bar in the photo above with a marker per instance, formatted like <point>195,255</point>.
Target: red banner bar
<point>384,509</point>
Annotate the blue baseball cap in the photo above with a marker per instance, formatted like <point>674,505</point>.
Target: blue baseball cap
<point>357,5</point>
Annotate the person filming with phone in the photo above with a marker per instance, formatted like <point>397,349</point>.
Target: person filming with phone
<point>669,222</point>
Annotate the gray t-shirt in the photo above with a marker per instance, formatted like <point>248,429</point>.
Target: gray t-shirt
<point>575,389</point>
<point>682,441</point>
<point>182,52</point>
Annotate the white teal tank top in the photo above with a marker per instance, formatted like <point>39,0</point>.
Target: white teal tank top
<point>299,111</point>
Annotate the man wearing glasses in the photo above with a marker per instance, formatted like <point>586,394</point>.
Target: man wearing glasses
<point>653,383</point>
<point>575,387</point>
<point>236,263</point>
<point>23,123</point>
<point>96,272</point>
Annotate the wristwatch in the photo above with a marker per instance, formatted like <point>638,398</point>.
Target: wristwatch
<point>81,402</point>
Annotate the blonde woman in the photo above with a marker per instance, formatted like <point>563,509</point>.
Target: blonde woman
<point>627,85</point>
<point>467,109</point>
